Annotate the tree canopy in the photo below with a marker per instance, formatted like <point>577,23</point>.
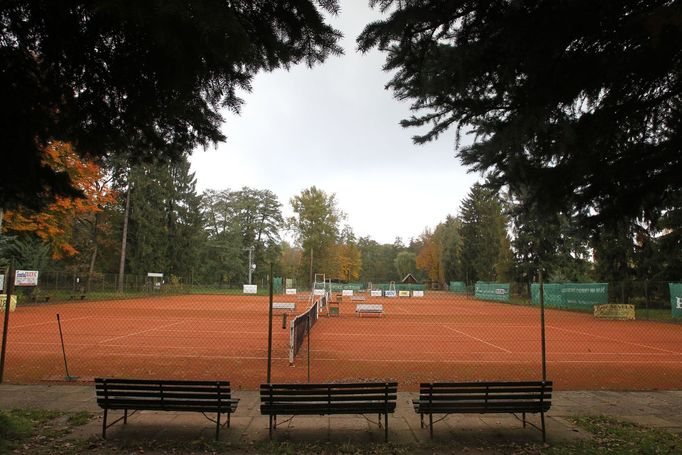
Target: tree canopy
<point>577,102</point>
<point>141,78</point>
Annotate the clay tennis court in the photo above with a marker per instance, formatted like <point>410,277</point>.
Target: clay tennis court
<point>437,337</point>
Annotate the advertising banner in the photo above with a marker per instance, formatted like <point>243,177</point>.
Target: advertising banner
<point>492,291</point>
<point>26,278</point>
<point>250,288</point>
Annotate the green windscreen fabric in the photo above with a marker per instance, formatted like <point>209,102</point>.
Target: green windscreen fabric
<point>676,299</point>
<point>571,295</point>
<point>277,285</point>
<point>498,292</point>
<point>458,287</point>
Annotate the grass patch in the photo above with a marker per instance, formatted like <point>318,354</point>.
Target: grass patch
<point>615,436</point>
<point>18,426</point>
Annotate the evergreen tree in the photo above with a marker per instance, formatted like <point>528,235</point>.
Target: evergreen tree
<point>576,102</point>
<point>485,244</point>
<point>103,75</point>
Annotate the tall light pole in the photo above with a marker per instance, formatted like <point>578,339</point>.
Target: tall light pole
<point>252,266</point>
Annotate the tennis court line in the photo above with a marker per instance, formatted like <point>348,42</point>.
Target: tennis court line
<point>613,339</point>
<point>139,333</point>
<point>47,322</point>
<point>478,339</point>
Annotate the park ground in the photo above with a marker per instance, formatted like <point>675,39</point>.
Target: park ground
<point>64,419</point>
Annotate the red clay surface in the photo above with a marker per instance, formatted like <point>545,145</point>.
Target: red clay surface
<point>437,337</point>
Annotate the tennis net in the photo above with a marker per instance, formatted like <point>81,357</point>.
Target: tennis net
<point>301,326</point>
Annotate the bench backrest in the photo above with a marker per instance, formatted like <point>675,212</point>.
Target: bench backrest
<point>162,394</point>
<point>311,394</point>
<point>532,395</point>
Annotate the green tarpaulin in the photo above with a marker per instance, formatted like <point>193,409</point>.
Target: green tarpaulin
<point>676,299</point>
<point>457,286</point>
<point>571,295</point>
<point>492,291</point>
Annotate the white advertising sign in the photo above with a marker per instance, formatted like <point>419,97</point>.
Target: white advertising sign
<point>347,292</point>
<point>26,278</point>
<point>417,293</point>
<point>390,294</point>
<point>318,292</point>
<point>250,288</point>
<point>375,293</point>
<point>291,291</point>
<point>403,293</point>
<point>2,282</point>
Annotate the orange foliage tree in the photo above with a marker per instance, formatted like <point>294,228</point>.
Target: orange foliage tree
<point>429,257</point>
<point>55,224</point>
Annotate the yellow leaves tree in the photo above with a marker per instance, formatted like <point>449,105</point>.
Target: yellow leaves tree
<point>428,259</point>
<point>55,224</point>
<point>349,261</point>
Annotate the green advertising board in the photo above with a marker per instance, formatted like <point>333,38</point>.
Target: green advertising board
<point>571,295</point>
<point>581,295</point>
<point>676,299</point>
<point>498,292</point>
<point>552,292</point>
<point>458,287</point>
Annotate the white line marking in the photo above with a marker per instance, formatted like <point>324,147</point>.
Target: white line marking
<point>478,339</point>
<point>139,333</point>
<point>614,340</point>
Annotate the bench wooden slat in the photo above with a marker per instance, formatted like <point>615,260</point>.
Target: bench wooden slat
<point>335,392</point>
<point>165,395</point>
<point>491,384</point>
<point>157,388</point>
<point>332,386</point>
<point>483,397</point>
<point>332,398</point>
<point>159,381</point>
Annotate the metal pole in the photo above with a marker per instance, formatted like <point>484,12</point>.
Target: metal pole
<point>309,316</point>
<point>270,330</point>
<point>5,325</point>
<point>542,326</point>
<point>250,262</point>
<point>68,377</point>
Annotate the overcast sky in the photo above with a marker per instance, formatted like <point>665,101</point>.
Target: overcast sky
<point>336,127</point>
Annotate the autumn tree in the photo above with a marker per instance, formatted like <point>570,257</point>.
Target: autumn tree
<point>60,223</point>
<point>429,257</point>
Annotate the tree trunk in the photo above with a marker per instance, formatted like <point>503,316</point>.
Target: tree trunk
<point>121,264</point>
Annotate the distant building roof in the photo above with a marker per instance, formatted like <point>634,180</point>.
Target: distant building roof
<point>409,279</point>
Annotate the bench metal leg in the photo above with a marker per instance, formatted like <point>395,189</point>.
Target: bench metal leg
<point>524,419</point>
<point>104,425</point>
<point>125,416</point>
<point>270,427</point>
<point>421,420</point>
<point>431,425</point>
<point>228,419</point>
<point>542,419</point>
<point>385,427</point>
<point>379,420</point>
<point>217,427</point>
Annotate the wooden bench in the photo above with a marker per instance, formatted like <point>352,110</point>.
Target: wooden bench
<point>358,298</point>
<point>528,397</point>
<point>324,399</point>
<point>162,395</point>
<point>369,308</point>
<point>284,306</point>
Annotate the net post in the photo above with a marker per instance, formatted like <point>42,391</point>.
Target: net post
<point>270,328</point>
<point>542,326</point>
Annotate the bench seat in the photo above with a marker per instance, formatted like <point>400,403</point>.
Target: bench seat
<point>325,399</point>
<point>524,397</point>
<point>369,308</point>
<point>164,395</point>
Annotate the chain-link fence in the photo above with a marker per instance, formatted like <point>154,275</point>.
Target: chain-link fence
<point>183,329</point>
